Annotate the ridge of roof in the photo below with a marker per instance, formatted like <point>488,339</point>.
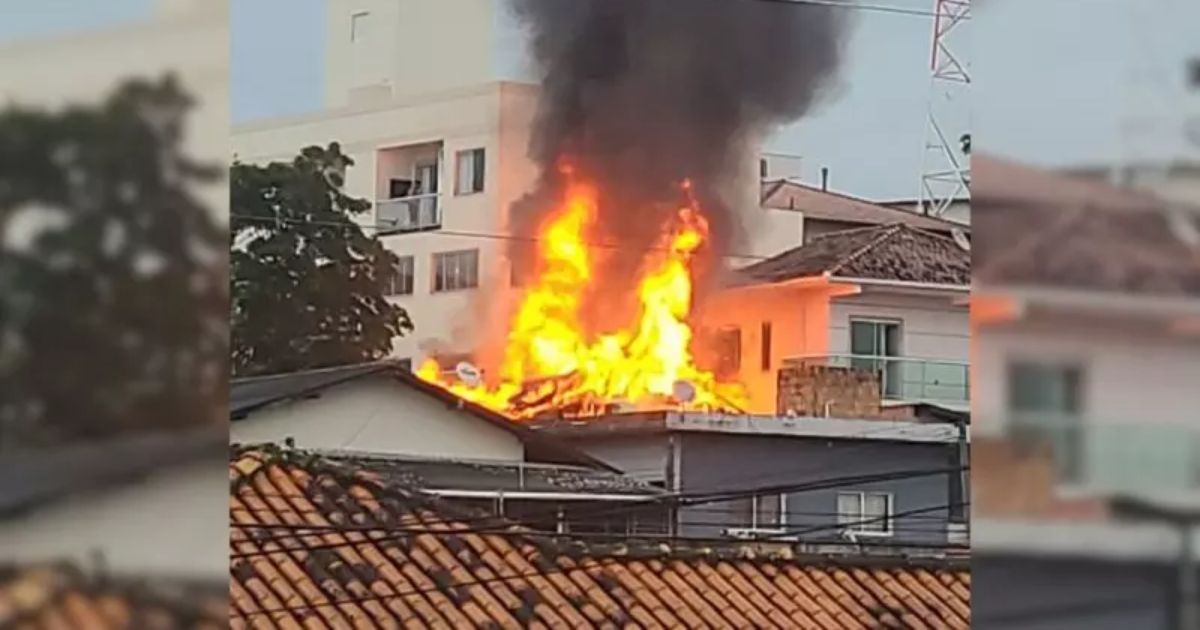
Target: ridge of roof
<point>344,374</point>
<point>881,209</point>
<point>821,255</point>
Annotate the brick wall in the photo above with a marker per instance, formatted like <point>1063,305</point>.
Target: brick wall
<point>805,388</point>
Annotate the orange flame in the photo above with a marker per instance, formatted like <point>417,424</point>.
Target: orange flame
<point>550,362</point>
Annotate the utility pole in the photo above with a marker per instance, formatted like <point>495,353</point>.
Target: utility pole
<point>1184,520</point>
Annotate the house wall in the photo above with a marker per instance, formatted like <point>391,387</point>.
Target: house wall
<point>1129,379</point>
<point>733,462</point>
<point>377,415</point>
<point>642,457</point>
<point>930,327</point>
<point>799,319</point>
<point>168,524</point>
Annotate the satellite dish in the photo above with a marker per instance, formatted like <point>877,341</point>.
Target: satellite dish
<point>468,373</point>
<point>684,391</point>
<point>960,237</point>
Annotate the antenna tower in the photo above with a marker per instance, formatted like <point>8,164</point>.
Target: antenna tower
<point>945,171</point>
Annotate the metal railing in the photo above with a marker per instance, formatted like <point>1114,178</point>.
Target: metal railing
<point>407,214</point>
<point>1125,456</point>
<point>908,379</point>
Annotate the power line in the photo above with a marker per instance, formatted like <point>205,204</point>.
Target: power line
<point>465,234</point>
<point>858,6</point>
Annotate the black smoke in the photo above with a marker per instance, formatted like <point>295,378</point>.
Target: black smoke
<point>640,94</point>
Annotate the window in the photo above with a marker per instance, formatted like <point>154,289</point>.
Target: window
<point>1042,388</point>
<point>455,271</point>
<point>401,282</point>
<point>1045,403</point>
<point>1193,73</point>
<point>873,338</point>
<point>765,353</point>
<point>729,352</point>
<point>762,168</point>
<point>762,512</point>
<point>470,172</point>
<point>865,512</point>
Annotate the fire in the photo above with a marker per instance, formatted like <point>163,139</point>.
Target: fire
<point>552,362</point>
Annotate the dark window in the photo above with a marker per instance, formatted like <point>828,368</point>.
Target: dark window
<point>766,346</point>
<point>1193,73</point>
<point>402,280</point>
<point>729,352</point>
<point>762,168</point>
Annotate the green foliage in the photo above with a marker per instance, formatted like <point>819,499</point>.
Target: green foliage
<point>307,282</point>
<point>113,297</point>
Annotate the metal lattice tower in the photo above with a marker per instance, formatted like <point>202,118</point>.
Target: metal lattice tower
<point>945,170</point>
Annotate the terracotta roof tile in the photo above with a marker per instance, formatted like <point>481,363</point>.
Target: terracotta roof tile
<point>890,252</point>
<point>48,597</point>
<point>304,555</point>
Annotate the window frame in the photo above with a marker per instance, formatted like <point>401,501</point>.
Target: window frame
<point>855,525</point>
<point>439,259</point>
<point>412,276</point>
<point>477,177</point>
<point>719,336</point>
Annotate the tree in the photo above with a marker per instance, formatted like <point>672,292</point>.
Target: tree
<point>113,297</point>
<point>307,282</point>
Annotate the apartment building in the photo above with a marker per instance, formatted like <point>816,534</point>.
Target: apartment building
<point>442,156</point>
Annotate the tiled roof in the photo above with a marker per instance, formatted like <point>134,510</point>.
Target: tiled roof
<point>889,252</point>
<point>61,596</point>
<point>1127,251</point>
<point>295,565</point>
<point>999,181</point>
<point>830,206</point>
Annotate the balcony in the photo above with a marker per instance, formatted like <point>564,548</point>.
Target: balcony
<point>409,214</point>
<point>907,379</point>
<point>1115,457</point>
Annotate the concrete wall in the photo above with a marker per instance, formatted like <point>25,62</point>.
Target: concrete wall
<point>1129,379</point>
<point>409,47</point>
<point>378,415</point>
<point>799,319</point>
<point>162,525</point>
<point>930,327</point>
<point>732,462</point>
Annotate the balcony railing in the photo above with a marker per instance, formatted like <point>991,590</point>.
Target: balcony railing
<point>1109,456</point>
<point>907,379</point>
<point>409,214</point>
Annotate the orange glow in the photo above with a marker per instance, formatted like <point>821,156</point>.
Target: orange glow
<point>550,360</point>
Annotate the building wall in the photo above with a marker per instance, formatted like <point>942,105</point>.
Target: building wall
<point>931,327</point>
<point>161,525</point>
<point>378,415</point>
<point>494,117</point>
<point>799,320</point>
<point>408,47</point>
<point>1128,379</point>
<point>734,462</point>
<point>641,457</point>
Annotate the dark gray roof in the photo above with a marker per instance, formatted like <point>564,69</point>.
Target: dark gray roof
<point>459,475</point>
<point>249,394</point>
<point>34,477</point>
<point>889,252</point>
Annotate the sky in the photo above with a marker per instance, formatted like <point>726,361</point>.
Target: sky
<point>1053,79</point>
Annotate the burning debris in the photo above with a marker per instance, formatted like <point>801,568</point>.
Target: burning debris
<point>638,97</point>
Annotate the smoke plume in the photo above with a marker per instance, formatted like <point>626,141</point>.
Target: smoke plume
<point>640,94</point>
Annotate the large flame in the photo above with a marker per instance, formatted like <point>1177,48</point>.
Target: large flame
<point>552,362</point>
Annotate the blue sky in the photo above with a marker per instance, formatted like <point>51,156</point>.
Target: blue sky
<point>1053,77</point>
